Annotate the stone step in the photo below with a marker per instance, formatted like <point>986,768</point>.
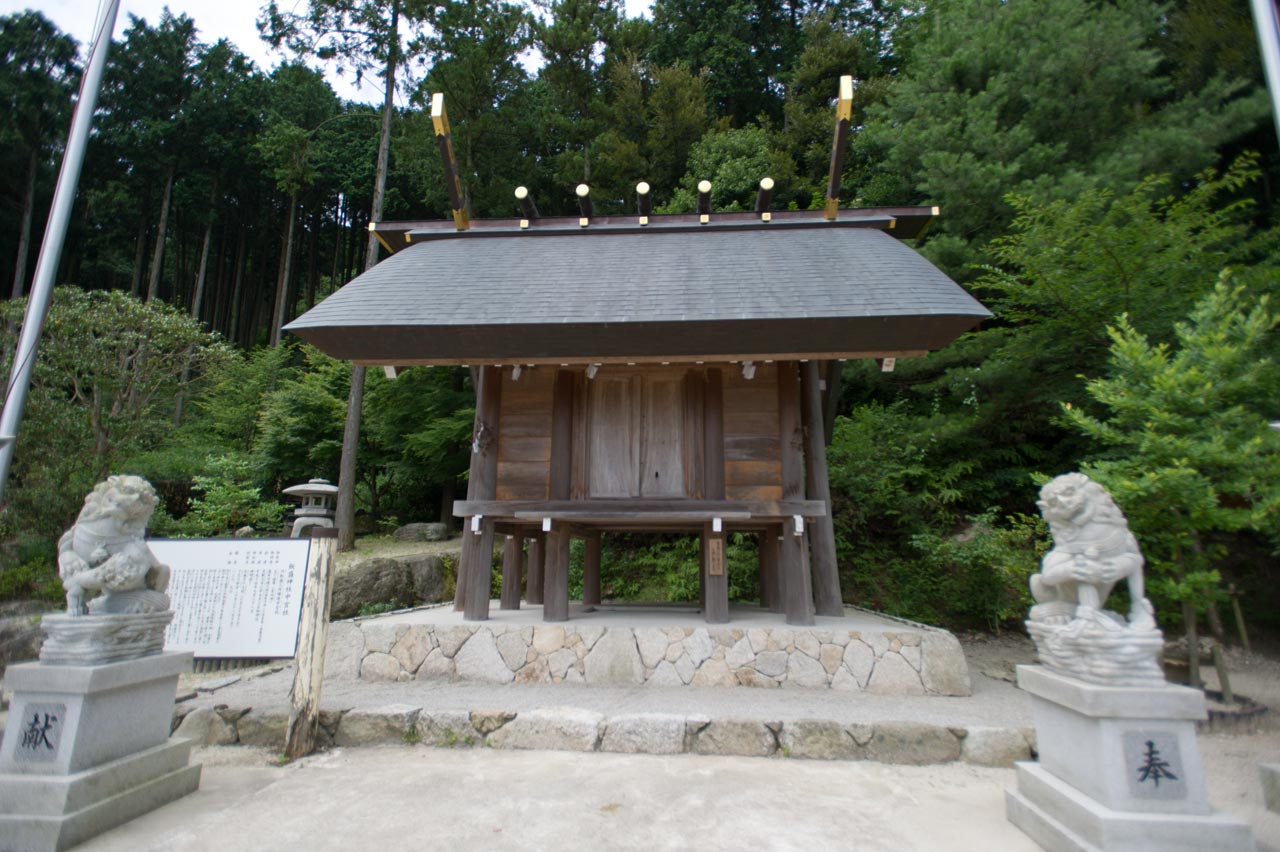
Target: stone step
<point>576,728</point>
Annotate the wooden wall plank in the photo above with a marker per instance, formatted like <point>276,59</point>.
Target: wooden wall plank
<point>561,478</point>
<point>789,430</point>
<point>695,390</point>
<point>752,473</point>
<point>713,432</point>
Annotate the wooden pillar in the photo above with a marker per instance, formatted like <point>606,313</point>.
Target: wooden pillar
<point>482,482</point>
<point>560,484</point>
<point>793,562</point>
<point>716,607</point>
<point>821,531</point>
<point>556,605</point>
<point>511,565</point>
<point>313,636</point>
<point>770,585</point>
<point>537,562</point>
<point>477,554</point>
<point>591,569</point>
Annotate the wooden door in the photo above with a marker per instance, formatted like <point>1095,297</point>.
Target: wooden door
<point>636,441</point>
<point>613,450</point>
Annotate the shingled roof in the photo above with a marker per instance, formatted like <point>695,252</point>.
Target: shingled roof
<point>680,291</point>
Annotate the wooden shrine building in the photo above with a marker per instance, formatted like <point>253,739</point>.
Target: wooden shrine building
<point>648,372</point>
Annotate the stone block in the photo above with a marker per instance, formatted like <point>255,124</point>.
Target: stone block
<point>195,725</point>
<point>804,671</point>
<point>859,659</point>
<point>390,725</point>
<point>892,675</point>
<point>435,667</point>
<point>912,743</point>
<point>740,654</point>
<point>699,646</point>
<point>771,663</point>
<point>556,728</point>
<point>380,637</point>
<point>614,660</point>
<point>450,639</point>
<point>652,644</point>
<point>263,728</point>
<point>943,669</point>
<point>379,667</point>
<point>1003,747</point>
<point>817,738</point>
<point>744,737</point>
<point>343,651</point>
<point>513,649</point>
<point>665,675</point>
<point>447,728</point>
<point>487,721</point>
<point>412,648</point>
<point>479,659</point>
<point>644,733</point>
<point>714,672</point>
<point>548,640</point>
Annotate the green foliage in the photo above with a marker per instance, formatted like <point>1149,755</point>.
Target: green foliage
<point>226,502</point>
<point>1185,446</point>
<point>665,568</point>
<point>368,609</point>
<point>35,580</point>
<point>734,160</point>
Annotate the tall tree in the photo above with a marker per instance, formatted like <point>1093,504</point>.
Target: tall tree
<point>38,74</point>
<point>361,35</point>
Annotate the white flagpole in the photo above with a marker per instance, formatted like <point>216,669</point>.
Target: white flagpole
<point>1265,22</point>
<point>55,232</point>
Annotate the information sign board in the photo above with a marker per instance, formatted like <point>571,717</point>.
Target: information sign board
<point>234,597</point>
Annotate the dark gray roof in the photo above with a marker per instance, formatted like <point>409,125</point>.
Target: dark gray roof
<point>691,291</point>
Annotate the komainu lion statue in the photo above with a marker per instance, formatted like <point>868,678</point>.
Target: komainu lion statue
<point>1092,551</point>
<point>106,551</point>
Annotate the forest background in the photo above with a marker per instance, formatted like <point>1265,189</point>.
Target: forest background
<point>1106,171</point>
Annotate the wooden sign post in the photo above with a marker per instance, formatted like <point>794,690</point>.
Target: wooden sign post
<point>313,635</point>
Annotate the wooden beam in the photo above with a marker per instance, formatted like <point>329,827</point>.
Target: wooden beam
<point>713,436</point>
<point>452,183</point>
<point>789,433</point>
<point>536,573</point>
<point>591,568</point>
<point>822,537</point>
<point>555,606</point>
<point>738,509</point>
<point>716,606</point>
<point>313,636</point>
<point>844,113</point>
<point>793,564</point>
<point>512,559</point>
<point>671,358</point>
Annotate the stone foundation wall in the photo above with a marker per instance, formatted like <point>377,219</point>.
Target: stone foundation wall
<point>909,661</point>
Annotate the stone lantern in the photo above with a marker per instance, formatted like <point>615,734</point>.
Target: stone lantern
<point>317,505</point>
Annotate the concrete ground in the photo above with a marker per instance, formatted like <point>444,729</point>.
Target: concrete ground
<point>389,799</point>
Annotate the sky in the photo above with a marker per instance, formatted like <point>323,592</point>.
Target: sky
<point>233,20</point>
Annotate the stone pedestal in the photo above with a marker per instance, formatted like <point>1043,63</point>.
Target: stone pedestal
<point>1119,769</point>
<point>87,748</point>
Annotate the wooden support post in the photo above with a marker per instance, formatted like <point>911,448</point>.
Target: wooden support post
<point>1193,645</point>
<point>561,481</point>
<point>482,481</point>
<point>534,580</point>
<point>822,536</point>
<point>1234,594</point>
<point>511,565</point>
<point>591,569</point>
<point>794,568</point>
<point>556,605</point>
<point>831,400</point>
<point>477,553</point>
<point>716,608</point>
<point>313,635</point>
<point>770,580</point>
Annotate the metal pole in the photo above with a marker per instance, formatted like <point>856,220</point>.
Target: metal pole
<point>55,233</point>
<point>1264,21</point>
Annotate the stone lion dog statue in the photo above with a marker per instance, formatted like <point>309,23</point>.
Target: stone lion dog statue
<point>106,551</point>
